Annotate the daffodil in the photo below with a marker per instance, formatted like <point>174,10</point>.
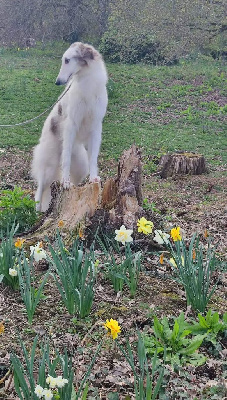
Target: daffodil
<point>161,258</point>
<point>145,226</point>
<point>38,252</point>
<point>112,327</point>
<point>60,223</point>
<point>12,272</point>
<point>51,381</point>
<point>161,237</point>
<point>61,382</point>
<point>123,235</point>
<point>175,234</point>
<point>39,391</point>
<point>47,394</point>
<point>173,262</point>
<point>19,243</point>
<point>2,328</point>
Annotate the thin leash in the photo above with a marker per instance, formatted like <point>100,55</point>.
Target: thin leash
<point>28,121</point>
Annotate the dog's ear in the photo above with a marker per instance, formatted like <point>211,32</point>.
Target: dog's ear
<point>86,53</point>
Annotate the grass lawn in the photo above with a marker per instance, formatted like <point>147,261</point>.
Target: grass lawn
<point>159,108</point>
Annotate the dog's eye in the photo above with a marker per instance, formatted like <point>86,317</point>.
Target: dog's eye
<point>67,60</point>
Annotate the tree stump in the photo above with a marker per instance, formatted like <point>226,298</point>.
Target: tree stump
<point>120,199</point>
<point>182,163</point>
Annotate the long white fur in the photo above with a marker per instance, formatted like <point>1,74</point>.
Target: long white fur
<point>69,145</point>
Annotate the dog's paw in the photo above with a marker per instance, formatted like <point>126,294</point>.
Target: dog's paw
<point>95,179</point>
<point>66,184</point>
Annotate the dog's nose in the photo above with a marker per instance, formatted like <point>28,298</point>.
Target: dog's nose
<point>58,82</point>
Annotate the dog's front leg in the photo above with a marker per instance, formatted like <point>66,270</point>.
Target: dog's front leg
<point>67,145</point>
<point>93,152</point>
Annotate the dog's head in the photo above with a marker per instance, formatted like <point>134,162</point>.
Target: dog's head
<point>77,56</point>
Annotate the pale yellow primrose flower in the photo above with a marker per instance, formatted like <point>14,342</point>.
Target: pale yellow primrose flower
<point>39,391</point>
<point>12,272</point>
<point>145,226</point>
<point>123,235</point>
<point>38,252</point>
<point>161,237</point>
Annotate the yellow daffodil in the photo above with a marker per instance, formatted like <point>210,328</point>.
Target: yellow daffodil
<point>112,327</point>
<point>161,258</point>
<point>19,243</point>
<point>2,328</point>
<point>193,254</point>
<point>60,223</point>
<point>145,226</point>
<point>123,235</point>
<point>206,233</point>
<point>175,234</point>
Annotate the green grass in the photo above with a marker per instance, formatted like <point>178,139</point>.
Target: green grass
<point>159,108</point>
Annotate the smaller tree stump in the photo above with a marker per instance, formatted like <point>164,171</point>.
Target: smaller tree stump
<point>182,163</point>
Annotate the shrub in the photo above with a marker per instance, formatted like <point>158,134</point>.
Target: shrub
<point>16,207</point>
<point>139,47</point>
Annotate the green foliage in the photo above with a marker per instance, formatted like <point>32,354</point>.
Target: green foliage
<point>195,272</point>
<point>75,270</point>
<point>30,294</point>
<point>8,258</point>
<point>209,325</point>
<point>179,349</point>
<point>25,373</point>
<point>16,207</point>
<point>121,267</point>
<point>136,48</point>
<point>144,379</point>
<point>150,206</point>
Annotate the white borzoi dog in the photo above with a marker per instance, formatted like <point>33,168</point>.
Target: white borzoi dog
<point>69,145</point>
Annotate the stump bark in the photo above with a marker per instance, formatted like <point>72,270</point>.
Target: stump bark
<point>120,199</point>
<point>182,163</point>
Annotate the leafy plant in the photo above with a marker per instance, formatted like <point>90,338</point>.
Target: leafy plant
<point>144,378</point>
<point>75,269</point>
<point>8,258</point>
<point>16,207</point>
<point>27,280</point>
<point>25,376</point>
<point>195,266</point>
<point>179,349</point>
<point>121,267</point>
<point>150,206</point>
<point>209,325</point>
